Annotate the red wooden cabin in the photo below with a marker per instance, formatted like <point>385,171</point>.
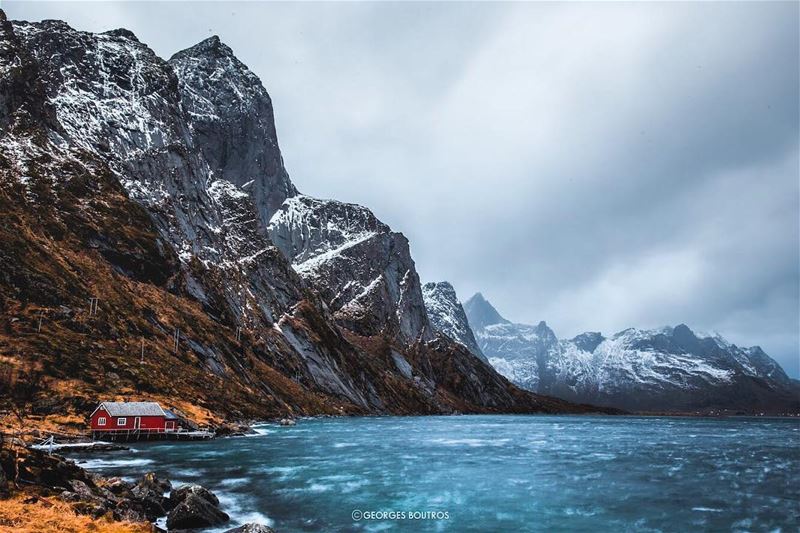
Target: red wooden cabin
<point>124,418</point>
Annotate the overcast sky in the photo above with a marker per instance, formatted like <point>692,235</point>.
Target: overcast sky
<point>597,166</point>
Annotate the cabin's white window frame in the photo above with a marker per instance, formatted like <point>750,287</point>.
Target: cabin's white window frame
<point>122,421</point>
<point>101,421</point>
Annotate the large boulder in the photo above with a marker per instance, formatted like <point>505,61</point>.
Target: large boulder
<point>195,511</point>
<point>183,492</point>
<point>150,493</point>
<point>131,511</point>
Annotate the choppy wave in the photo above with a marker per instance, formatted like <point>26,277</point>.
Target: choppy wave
<point>497,473</point>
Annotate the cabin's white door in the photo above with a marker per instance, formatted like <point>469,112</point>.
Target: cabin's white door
<point>137,422</point>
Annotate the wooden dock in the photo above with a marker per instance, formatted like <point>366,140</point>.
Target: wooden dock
<point>127,435</point>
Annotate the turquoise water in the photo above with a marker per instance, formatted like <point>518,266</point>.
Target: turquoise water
<point>495,473</point>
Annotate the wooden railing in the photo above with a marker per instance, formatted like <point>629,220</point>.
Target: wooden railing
<point>148,431</point>
<point>145,433</point>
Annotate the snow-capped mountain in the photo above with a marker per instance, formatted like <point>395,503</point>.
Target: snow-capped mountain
<point>361,268</point>
<point>447,315</point>
<point>667,369</point>
<point>158,187</point>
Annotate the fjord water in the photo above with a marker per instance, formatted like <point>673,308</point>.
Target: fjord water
<point>496,473</point>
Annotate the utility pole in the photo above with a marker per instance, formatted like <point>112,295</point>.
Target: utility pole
<point>141,360</point>
<point>39,326</point>
<point>93,306</point>
<point>238,334</point>
<point>177,339</point>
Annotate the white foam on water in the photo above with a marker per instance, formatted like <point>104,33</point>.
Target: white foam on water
<point>234,481</point>
<point>92,464</point>
<point>319,487</point>
<point>352,486</point>
<point>258,431</point>
<point>283,472</point>
<point>240,511</point>
<point>186,476</point>
<point>472,443</point>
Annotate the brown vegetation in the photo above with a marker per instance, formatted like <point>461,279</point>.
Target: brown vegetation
<point>26,514</point>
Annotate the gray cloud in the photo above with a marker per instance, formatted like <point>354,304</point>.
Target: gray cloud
<point>598,166</point>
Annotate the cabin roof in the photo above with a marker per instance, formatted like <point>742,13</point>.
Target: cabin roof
<point>132,408</point>
<point>170,415</point>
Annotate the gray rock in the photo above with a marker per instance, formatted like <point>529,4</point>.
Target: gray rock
<point>149,491</point>
<point>183,492</point>
<point>447,316</point>
<point>195,511</point>
<point>361,268</point>
<point>81,489</point>
<point>232,123</point>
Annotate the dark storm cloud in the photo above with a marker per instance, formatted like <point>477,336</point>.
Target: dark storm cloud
<point>598,166</point>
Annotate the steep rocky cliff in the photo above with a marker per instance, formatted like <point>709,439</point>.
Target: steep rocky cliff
<point>154,187</point>
<point>361,268</point>
<point>447,316</point>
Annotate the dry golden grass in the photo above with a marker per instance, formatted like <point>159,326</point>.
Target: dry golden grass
<point>48,515</point>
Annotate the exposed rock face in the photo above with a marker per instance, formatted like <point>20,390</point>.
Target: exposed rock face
<point>668,369</point>
<point>362,269</point>
<point>447,315</point>
<point>232,123</point>
<point>194,507</point>
<point>159,187</point>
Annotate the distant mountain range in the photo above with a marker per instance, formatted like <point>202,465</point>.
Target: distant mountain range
<point>667,369</point>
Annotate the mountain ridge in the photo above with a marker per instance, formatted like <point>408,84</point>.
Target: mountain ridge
<point>663,369</point>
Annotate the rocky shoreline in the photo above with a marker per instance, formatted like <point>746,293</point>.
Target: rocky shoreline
<point>40,476</point>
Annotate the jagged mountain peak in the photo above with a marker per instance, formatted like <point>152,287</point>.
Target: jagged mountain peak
<point>212,47</point>
<point>124,33</point>
<point>439,285</point>
<point>233,123</point>
<point>447,315</point>
<point>441,289</point>
<point>481,313</point>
